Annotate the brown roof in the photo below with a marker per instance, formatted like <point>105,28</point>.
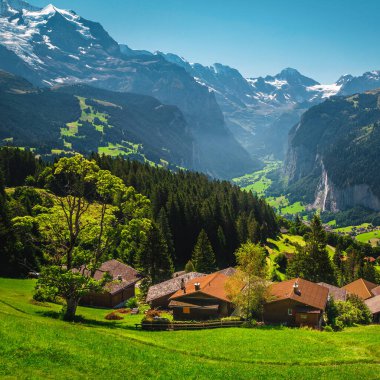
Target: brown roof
<point>170,286</point>
<point>361,288</point>
<point>376,291</point>
<point>174,303</point>
<point>338,294</point>
<point>128,275</point>
<point>212,285</point>
<point>373,304</point>
<point>308,293</point>
<point>230,271</point>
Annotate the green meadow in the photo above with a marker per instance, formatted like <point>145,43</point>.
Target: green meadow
<point>34,344</point>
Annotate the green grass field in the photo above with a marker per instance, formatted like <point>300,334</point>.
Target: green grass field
<point>34,345</point>
<point>369,237</point>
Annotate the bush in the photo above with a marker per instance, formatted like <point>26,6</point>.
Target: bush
<point>151,314</point>
<point>232,319</point>
<point>131,303</point>
<point>113,316</point>
<point>328,328</point>
<point>365,315</point>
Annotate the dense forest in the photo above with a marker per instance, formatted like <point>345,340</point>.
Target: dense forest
<point>181,205</point>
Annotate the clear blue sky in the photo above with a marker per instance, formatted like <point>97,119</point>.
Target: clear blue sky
<point>321,38</point>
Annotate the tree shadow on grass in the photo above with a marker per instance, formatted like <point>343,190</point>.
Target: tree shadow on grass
<point>79,319</point>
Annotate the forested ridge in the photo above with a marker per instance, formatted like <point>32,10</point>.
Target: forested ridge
<point>182,204</point>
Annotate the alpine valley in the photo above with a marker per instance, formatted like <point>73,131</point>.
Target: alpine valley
<point>67,86</point>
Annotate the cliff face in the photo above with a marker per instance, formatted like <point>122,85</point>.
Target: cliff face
<point>329,197</point>
<point>332,155</point>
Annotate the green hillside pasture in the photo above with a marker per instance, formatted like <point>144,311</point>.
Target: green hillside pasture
<point>257,182</point>
<point>351,228</point>
<point>35,345</point>
<point>372,237</point>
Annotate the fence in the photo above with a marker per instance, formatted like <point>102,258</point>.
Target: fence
<point>154,326</point>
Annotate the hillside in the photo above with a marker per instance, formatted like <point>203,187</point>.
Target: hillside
<point>332,152</point>
<point>84,119</point>
<point>48,347</point>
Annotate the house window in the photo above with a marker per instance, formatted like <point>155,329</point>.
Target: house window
<point>186,310</point>
<point>290,311</point>
<point>303,316</point>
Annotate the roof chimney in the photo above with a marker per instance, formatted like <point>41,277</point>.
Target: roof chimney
<point>119,277</point>
<point>183,285</point>
<point>296,288</point>
<point>197,286</point>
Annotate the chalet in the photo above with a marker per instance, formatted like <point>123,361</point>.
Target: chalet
<point>362,288</point>
<point>159,294</point>
<point>116,292</point>
<point>373,305</point>
<point>337,294</point>
<point>296,302</point>
<point>202,298</point>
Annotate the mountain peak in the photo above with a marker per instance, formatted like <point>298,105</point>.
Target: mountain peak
<point>294,77</point>
<point>289,71</point>
<point>7,6</point>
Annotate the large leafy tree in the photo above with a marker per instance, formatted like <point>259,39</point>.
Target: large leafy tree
<point>248,288</point>
<point>203,256</point>
<point>6,237</point>
<point>80,229</point>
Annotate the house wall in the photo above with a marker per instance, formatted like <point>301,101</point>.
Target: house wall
<point>224,310</point>
<point>106,299</point>
<point>278,312</point>
<point>162,302</point>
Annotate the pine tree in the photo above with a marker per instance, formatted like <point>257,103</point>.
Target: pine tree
<point>203,256</point>
<point>312,262</point>
<point>163,224</point>
<point>320,268</point>
<point>153,260</point>
<point>189,267</point>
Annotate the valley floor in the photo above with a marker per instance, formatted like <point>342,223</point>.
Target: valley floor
<point>35,345</point>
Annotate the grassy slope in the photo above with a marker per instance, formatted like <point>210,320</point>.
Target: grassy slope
<point>33,345</point>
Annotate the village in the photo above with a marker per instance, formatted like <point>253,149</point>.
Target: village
<point>200,297</point>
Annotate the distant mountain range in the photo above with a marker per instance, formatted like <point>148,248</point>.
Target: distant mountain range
<point>52,47</point>
<point>231,121</point>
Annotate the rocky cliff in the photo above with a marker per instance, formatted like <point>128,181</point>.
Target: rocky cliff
<point>332,155</point>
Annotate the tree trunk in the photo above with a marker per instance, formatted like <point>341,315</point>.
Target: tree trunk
<point>71,309</point>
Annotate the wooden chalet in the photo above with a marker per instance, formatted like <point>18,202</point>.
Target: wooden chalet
<point>159,295</point>
<point>296,302</point>
<point>202,298</point>
<point>116,292</point>
<point>362,288</point>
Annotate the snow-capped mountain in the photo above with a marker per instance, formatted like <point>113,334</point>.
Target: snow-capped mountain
<point>51,46</point>
<point>259,111</point>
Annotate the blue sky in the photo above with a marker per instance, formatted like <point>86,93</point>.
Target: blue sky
<point>321,38</point>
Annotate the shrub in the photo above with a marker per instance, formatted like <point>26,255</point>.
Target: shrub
<point>328,328</point>
<point>131,303</point>
<point>123,311</point>
<point>364,314</point>
<point>151,314</point>
<point>113,316</point>
<point>232,319</point>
